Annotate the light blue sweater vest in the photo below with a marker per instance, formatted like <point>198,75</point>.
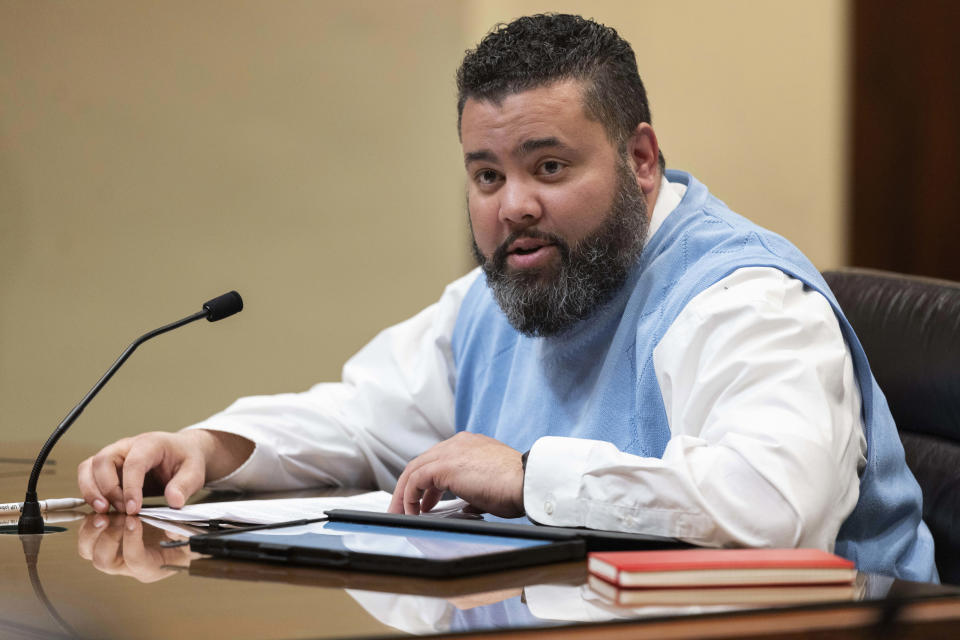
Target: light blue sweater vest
<point>597,380</point>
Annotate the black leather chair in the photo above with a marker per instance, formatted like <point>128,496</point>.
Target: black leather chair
<point>910,329</point>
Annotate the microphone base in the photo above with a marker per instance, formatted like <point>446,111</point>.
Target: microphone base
<point>11,530</point>
<point>31,519</point>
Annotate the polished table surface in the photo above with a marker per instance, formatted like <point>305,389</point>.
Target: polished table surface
<point>109,577</point>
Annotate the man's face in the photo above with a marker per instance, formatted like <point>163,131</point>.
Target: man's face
<point>556,214</point>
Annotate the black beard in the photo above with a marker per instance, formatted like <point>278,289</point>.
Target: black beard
<point>548,301</point>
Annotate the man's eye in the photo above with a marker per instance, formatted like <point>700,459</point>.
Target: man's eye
<point>487,176</point>
<point>551,167</point>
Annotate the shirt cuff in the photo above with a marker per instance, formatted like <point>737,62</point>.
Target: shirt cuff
<point>565,602</point>
<point>574,482</point>
<point>256,467</point>
<point>550,490</point>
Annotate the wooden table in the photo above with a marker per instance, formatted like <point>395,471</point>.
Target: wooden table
<point>108,577</point>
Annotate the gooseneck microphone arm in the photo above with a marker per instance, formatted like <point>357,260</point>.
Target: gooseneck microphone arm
<point>31,519</point>
<point>77,410</point>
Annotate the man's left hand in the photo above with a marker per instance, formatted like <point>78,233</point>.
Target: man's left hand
<point>485,472</point>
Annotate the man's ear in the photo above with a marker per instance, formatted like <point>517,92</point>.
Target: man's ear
<point>643,154</point>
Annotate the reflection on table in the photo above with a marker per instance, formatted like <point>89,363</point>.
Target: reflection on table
<point>543,596</point>
<point>110,576</point>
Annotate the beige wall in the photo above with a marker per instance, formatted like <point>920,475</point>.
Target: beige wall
<point>155,154</point>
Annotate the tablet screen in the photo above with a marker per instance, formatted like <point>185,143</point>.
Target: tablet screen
<point>385,540</point>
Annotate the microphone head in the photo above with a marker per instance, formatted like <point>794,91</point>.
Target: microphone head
<point>223,306</point>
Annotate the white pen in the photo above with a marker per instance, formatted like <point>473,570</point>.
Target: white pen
<point>50,518</point>
<point>54,504</point>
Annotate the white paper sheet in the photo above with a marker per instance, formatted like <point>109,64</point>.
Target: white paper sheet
<point>283,509</point>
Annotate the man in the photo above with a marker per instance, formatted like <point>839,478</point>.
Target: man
<point>665,365</point>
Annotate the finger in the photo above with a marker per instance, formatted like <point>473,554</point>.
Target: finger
<point>141,563</point>
<point>186,481</point>
<point>430,499</point>
<point>396,500</point>
<point>107,555</point>
<point>143,457</point>
<point>431,454</point>
<point>106,466</point>
<point>88,487</point>
<point>133,549</point>
<point>419,482</point>
<point>90,530</point>
<point>410,493</point>
<point>411,501</point>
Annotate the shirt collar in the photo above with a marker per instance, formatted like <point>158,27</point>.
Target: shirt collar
<point>671,193</point>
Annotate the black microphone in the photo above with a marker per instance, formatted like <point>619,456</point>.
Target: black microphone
<point>223,306</point>
<point>31,519</point>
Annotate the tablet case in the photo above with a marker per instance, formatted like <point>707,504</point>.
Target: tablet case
<point>594,539</point>
<point>565,544</point>
<point>280,549</point>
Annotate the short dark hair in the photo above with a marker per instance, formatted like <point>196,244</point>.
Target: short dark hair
<point>538,50</point>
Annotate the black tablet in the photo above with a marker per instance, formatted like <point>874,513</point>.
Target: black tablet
<point>388,549</point>
<point>594,539</point>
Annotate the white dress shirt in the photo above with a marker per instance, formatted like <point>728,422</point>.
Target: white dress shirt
<point>759,391</point>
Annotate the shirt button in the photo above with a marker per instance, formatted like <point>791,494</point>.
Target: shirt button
<point>548,508</point>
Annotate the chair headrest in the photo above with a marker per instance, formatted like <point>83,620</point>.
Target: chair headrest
<point>909,327</point>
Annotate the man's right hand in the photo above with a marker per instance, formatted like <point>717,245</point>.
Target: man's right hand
<point>121,545</point>
<point>176,464</point>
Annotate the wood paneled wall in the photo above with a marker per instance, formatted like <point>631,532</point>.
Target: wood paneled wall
<point>906,137</point>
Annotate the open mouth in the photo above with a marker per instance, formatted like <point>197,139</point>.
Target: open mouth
<point>527,251</point>
<point>530,253</point>
<point>526,246</point>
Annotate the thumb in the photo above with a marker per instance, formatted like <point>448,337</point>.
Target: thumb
<point>185,482</point>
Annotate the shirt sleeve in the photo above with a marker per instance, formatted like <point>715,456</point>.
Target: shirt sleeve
<point>767,440</point>
<point>395,401</point>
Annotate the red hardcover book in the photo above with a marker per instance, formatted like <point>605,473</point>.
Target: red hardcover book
<point>760,594</point>
<point>714,567</point>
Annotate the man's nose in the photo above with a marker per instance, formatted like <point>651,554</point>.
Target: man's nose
<point>519,204</point>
